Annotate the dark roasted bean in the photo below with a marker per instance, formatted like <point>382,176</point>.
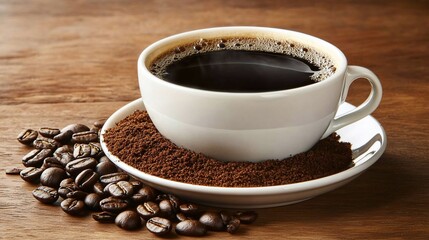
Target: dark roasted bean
<point>98,188</point>
<point>212,220</point>
<point>52,177</point>
<point>106,189</point>
<point>99,123</point>
<point>49,132</point>
<point>76,166</point>
<point>96,130</point>
<point>85,137</point>
<point>104,159</point>
<point>148,210</point>
<point>13,171</point>
<point>121,189</point>
<point>191,228</point>
<point>246,217</point>
<point>63,191</point>
<point>189,209</point>
<point>66,182</point>
<point>75,128</point>
<point>31,174</point>
<point>104,168</point>
<point>233,225</point>
<point>128,220</point>
<point>64,154</point>
<point>181,217</point>
<point>45,143</point>
<point>145,194</point>
<point>158,226</point>
<point>45,194</point>
<point>27,136</point>
<point>136,185</point>
<point>78,194</point>
<point>226,217</point>
<point>35,157</point>
<point>166,208</point>
<point>104,217</point>
<point>112,204</point>
<point>114,177</point>
<point>86,179</point>
<point>92,201</point>
<point>86,150</point>
<point>64,137</point>
<point>51,162</point>
<point>73,206</point>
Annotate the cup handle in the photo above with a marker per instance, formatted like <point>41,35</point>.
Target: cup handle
<point>363,110</point>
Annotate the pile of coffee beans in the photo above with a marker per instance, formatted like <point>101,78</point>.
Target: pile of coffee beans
<point>69,166</point>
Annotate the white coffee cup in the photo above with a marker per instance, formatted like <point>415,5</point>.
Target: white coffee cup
<point>252,126</point>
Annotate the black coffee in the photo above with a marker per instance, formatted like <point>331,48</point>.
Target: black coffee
<point>242,65</point>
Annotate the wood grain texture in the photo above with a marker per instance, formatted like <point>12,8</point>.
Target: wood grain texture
<point>75,61</point>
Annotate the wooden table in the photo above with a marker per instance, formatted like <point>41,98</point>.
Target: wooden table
<point>63,62</point>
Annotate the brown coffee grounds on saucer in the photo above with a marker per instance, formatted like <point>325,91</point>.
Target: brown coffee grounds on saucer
<point>136,142</point>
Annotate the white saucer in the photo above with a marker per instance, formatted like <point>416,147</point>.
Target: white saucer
<point>368,141</point>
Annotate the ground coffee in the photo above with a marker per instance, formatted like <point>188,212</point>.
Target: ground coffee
<point>136,141</point>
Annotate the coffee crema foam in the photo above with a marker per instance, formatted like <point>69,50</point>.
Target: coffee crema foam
<point>291,48</point>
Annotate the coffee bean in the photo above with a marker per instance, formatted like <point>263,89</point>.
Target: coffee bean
<point>52,177</point>
<point>182,217</point>
<point>13,171</point>
<point>64,137</point>
<point>35,157</point>
<point>246,217</point>
<point>96,130</point>
<point>86,179</point>
<point>136,185</point>
<point>233,225</point>
<point>212,220</point>
<point>51,162</point>
<point>189,209</point>
<point>27,136</point>
<point>106,189</point>
<point>87,150</point>
<point>145,194</point>
<point>166,208</point>
<point>66,182</point>
<point>64,191</point>
<point>128,220</point>
<point>45,194</point>
<point>92,201</point>
<point>158,226</point>
<point>175,201</point>
<point>148,210</point>
<point>104,159</point>
<point>78,194</point>
<point>104,168</point>
<point>99,123</point>
<point>76,166</point>
<point>114,177</point>
<point>98,188</point>
<point>73,206</point>
<point>104,217</point>
<point>191,228</point>
<point>49,132</point>
<point>112,204</point>
<point>64,154</point>
<point>121,189</point>
<point>31,174</point>
<point>45,143</point>
<point>75,128</point>
<point>85,137</point>
<point>226,217</point>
